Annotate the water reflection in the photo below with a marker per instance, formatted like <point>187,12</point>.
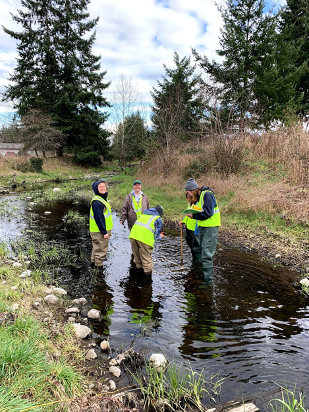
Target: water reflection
<point>249,324</point>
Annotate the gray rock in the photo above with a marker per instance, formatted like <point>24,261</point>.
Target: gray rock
<point>94,314</point>
<point>81,331</point>
<point>71,319</point>
<point>59,291</point>
<point>91,354</point>
<point>72,310</point>
<point>115,371</point>
<point>104,345</point>
<point>17,265</point>
<point>112,385</point>
<point>158,361</point>
<point>84,312</point>
<point>51,299</point>
<point>80,301</point>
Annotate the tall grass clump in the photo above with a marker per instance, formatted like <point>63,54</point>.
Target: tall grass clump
<point>176,387</point>
<point>26,371</point>
<point>290,401</point>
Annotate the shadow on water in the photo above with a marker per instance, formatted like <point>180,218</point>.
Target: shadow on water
<point>249,324</point>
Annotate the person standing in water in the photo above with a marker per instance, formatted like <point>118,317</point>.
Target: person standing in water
<point>192,233</point>
<point>101,224</point>
<point>209,222</point>
<point>135,203</point>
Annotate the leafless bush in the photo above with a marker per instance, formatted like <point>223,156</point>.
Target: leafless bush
<point>229,153</point>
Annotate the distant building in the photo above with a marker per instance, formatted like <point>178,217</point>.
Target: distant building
<point>17,148</point>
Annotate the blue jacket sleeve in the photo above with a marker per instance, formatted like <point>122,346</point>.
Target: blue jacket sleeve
<point>158,224</point>
<point>98,209</point>
<point>208,207</point>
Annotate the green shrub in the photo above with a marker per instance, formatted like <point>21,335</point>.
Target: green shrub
<point>87,158</point>
<point>23,167</point>
<point>36,164</point>
<point>197,167</point>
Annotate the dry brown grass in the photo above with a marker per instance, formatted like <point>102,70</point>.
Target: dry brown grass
<point>288,147</point>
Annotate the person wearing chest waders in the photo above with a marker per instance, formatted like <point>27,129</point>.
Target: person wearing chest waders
<point>145,231</point>
<point>192,233</point>
<point>134,205</point>
<point>101,224</point>
<point>208,223</point>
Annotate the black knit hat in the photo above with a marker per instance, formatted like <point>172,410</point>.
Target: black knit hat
<point>159,209</point>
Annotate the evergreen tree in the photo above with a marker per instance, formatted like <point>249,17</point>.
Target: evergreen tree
<point>246,37</point>
<point>255,82</point>
<point>177,108</point>
<point>56,71</point>
<point>294,27</point>
<point>135,138</point>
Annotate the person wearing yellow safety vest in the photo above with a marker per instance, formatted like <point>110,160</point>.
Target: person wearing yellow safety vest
<point>145,231</point>
<point>192,234</point>
<point>208,222</point>
<point>134,205</point>
<point>101,224</point>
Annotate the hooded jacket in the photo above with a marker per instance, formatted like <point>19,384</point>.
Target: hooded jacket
<point>98,208</point>
<point>158,224</point>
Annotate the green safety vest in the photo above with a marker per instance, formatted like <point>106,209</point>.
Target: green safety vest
<point>215,219</point>
<point>190,223</point>
<point>107,215</point>
<point>144,229</point>
<point>137,206</point>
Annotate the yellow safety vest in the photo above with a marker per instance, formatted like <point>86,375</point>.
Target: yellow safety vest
<point>190,223</point>
<point>107,215</point>
<point>144,229</point>
<point>215,219</point>
<point>137,206</point>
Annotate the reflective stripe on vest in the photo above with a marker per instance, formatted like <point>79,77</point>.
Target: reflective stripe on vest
<point>107,215</point>
<point>144,229</point>
<point>137,207</point>
<point>215,219</point>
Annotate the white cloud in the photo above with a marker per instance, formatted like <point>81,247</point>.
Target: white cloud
<point>135,37</point>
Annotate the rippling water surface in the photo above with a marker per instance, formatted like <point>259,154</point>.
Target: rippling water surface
<point>249,325</point>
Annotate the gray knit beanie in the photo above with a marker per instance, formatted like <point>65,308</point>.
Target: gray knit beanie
<point>191,184</point>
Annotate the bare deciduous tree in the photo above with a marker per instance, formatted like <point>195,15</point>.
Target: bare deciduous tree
<point>127,100</point>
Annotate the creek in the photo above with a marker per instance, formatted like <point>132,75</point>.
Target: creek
<point>249,325</point>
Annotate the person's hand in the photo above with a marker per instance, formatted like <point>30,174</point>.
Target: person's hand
<point>162,234</point>
<point>122,223</point>
<point>190,215</point>
<point>106,236</point>
<point>180,223</point>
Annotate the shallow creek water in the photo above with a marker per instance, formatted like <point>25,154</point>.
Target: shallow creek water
<point>249,325</point>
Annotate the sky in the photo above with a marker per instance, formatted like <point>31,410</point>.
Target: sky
<point>135,37</point>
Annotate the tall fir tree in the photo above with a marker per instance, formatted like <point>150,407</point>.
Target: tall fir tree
<point>255,80</point>
<point>56,71</point>
<point>177,106</point>
<point>294,28</point>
